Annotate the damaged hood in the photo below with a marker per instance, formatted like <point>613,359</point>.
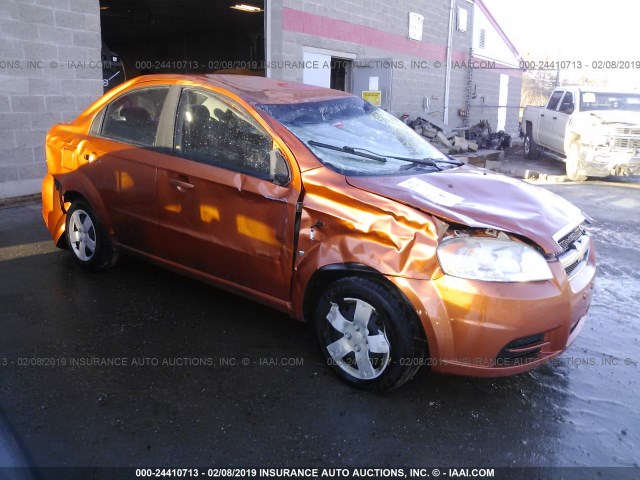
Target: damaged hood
<point>624,117</point>
<point>480,199</point>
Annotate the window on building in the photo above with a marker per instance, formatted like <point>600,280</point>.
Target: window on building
<point>483,36</point>
<point>462,19</point>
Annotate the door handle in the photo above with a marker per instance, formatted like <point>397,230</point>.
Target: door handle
<point>542,114</point>
<point>555,118</point>
<point>180,185</point>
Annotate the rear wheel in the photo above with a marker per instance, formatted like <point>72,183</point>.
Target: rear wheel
<point>531,150</point>
<point>89,244</point>
<point>367,334</point>
<point>574,164</point>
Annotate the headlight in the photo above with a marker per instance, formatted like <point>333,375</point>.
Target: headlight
<point>492,259</point>
<point>598,138</point>
<point>602,140</point>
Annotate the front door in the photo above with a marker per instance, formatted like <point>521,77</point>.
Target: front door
<point>548,120</point>
<point>557,140</point>
<point>219,212</point>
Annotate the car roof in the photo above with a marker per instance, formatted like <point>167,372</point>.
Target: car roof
<point>254,89</point>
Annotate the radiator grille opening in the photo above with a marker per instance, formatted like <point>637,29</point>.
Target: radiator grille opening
<point>566,241</point>
<point>626,143</point>
<point>627,131</point>
<point>574,251</point>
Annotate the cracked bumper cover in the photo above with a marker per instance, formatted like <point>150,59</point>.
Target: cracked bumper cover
<point>469,323</point>
<point>605,162</point>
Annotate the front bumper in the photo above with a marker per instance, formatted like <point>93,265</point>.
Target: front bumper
<point>605,162</point>
<point>496,329</point>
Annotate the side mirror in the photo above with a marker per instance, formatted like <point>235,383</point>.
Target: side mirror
<point>278,168</point>
<point>567,108</point>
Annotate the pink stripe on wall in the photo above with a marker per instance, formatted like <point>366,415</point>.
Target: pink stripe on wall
<point>320,26</point>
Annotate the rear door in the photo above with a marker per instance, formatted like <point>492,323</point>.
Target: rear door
<point>219,212</point>
<point>121,158</point>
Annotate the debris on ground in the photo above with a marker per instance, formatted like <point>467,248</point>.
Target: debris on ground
<point>482,134</point>
<point>452,141</point>
<point>535,176</point>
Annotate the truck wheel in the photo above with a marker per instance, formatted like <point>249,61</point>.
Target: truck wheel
<point>574,164</point>
<point>368,336</point>
<point>530,148</point>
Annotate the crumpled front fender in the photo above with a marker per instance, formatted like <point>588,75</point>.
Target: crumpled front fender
<point>347,225</point>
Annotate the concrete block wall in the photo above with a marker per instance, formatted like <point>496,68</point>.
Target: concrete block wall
<point>42,80</point>
<point>385,32</point>
<point>411,84</point>
<point>487,89</point>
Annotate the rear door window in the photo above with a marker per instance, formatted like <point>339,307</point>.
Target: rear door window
<point>134,117</point>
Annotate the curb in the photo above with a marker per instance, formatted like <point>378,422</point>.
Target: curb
<point>17,201</point>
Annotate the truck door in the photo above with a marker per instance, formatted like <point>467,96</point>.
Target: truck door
<point>560,119</point>
<point>548,120</point>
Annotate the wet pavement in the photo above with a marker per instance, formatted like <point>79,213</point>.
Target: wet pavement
<point>198,377</point>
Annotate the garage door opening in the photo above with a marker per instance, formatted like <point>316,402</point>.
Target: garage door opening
<point>328,68</point>
<point>184,36</point>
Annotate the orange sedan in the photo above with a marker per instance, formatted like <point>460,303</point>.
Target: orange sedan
<point>321,205</point>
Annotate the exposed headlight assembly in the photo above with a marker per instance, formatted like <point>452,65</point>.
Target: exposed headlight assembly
<point>492,260</point>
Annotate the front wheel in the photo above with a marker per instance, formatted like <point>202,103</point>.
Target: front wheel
<point>89,244</point>
<point>574,164</point>
<point>368,335</point>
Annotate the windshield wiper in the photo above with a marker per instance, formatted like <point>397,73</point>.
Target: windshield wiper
<point>363,152</point>
<point>431,162</point>
<point>360,152</point>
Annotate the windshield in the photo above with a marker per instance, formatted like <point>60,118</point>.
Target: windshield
<point>353,137</point>
<point>591,101</point>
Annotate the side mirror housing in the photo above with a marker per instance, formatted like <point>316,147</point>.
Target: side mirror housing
<point>568,108</point>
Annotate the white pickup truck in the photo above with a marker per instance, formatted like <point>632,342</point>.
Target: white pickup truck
<point>595,131</point>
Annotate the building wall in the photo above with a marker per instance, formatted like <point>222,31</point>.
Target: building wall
<point>38,87</point>
<point>484,104</point>
<point>493,56</point>
<point>379,29</point>
<point>43,80</point>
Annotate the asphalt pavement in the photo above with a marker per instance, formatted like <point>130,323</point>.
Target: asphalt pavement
<point>142,367</point>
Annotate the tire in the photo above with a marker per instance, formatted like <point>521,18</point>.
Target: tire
<point>531,150</point>
<point>368,335</point>
<point>574,164</point>
<point>89,244</point>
